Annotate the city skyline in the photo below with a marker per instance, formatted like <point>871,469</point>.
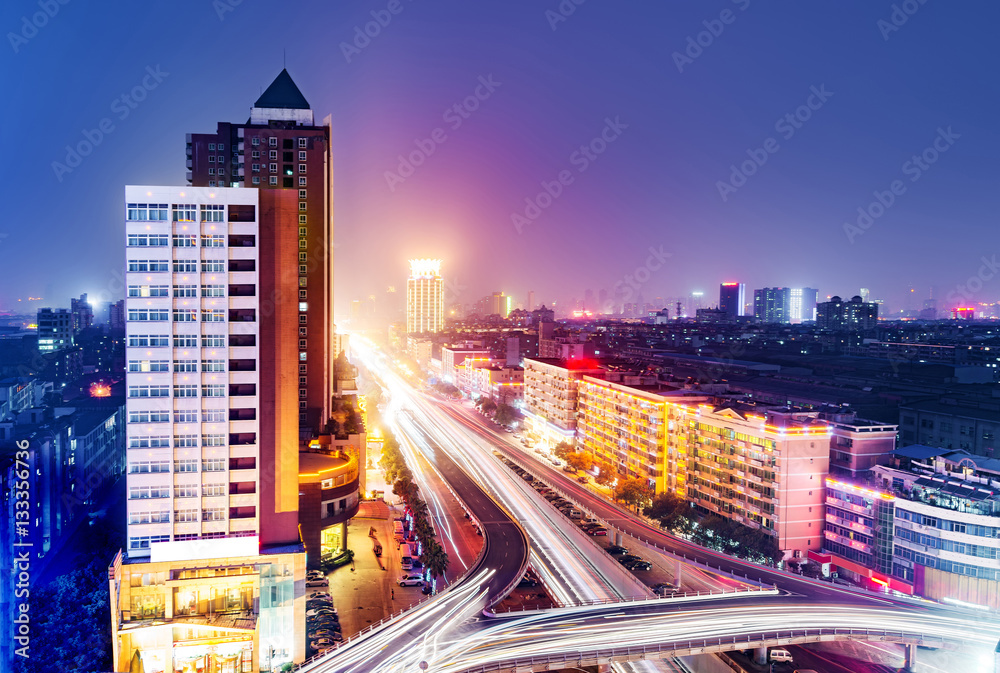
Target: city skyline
<point>656,178</point>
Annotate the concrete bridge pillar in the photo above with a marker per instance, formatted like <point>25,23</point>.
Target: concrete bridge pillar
<point>760,656</point>
<point>618,538</point>
<point>678,572</point>
<point>909,657</point>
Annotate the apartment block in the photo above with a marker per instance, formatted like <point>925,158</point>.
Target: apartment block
<point>550,396</point>
<point>55,329</point>
<point>214,565</point>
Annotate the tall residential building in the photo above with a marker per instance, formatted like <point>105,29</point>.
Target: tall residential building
<point>83,313</point>
<point>55,329</point>
<point>214,568</point>
<point>846,316</point>
<point>424,297</point>
<point>116,315</point>
<point>732,299</point>
<point>802,304</point>
<point>281,148</point>
<point>550,396</point>
<point>772,304</point>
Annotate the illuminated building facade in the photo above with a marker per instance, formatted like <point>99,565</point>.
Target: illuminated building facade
<point>281,148</point>
<point>55,329</point>
<point>732,299</point>
<point>846,316</point>
<point>213,571</point>
<point>550,396</point>
<point>802,304</point>
<point>424,297</point>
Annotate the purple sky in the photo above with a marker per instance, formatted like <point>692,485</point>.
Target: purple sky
<point>677,125</point>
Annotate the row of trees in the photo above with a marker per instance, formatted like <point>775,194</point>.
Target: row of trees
<point>504,414</point>
<point>432,555</point>
<point>713,531</point>
<point>585,461</point>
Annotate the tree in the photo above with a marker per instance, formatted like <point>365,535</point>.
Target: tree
<point>671,510</point>
<point>505,414</point>
<point>435,559</point>
<point>606,475</point>
<point>563,450</point>
<point>487,405</point>
<point>580,461</point>
<point>633,491</point>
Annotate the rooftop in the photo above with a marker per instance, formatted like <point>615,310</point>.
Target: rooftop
<point>283,94</point>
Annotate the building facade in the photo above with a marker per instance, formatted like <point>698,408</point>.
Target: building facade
<point>732,299</point>
<point>213,567</point>
<point>846,316</point>
<point>550,396</point>
<point>424,297</point>
<point>282,148</point>
<point>55,329</point>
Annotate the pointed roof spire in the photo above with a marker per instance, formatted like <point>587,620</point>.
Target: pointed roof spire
<point>282,94</point>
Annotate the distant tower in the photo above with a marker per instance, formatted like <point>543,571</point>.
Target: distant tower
<point>732,299</point>
<point>678,314</point>
<point>424,297</point>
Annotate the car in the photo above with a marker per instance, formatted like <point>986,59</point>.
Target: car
<point>556,462</point>
<point>315,573</point>
<point>526,583</point>
<point>320,603</point>
<point>318,611</point>
<point>779,654</point>
<point>639,565</point>
<point>583,479</point>
<point>600,531</point>
<point>320,642</point>
<point>664,589</point>
<point>628,558</point>
<point>617,550</point>
<point>538,451</point>
<point>318,594</point>
<point>411,580</point>
<point>805,670</point>
<point>569,468</point>
<point>319,582</point>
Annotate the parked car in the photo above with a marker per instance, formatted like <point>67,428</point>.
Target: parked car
<point>639,565</point>
<point>316,612</point>
<point>411,580</point>
<point>568,468</point>
<point>583,479</point>
<point>600,531</point>
<point>628,558</point>
<point>318,594</point>
<point>318,582</point>
<point>664,589</point>
<point>780,655</point>
<point>617,550</point>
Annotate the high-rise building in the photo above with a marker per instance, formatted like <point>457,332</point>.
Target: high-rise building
<point>771,304</point>
<point>214,567</point>
<point>116,315</point>
<point>424,297</point>
<point>846,316</point>
<point>732,298</point>
<point>55,329</point>
<point>281,148</point>
<point>83,313</point>
<point>802,304</point>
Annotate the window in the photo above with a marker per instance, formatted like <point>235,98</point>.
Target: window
<point>302,294</point>
<point>273,168</point>
<point>214,390</point>
<point>185,290</point>
<point>148,442</point>
<point>149,517</point>
<point>303,319</point>
<point>146,211</point>
<point>303,268</point>
<point>303,306</point>
<point>302,343</point>
<point>302,244</point>
<point>273,155</point>
<point>154,340</point>
<point>302,156</point>
<point>185,365</point>
<point>303,141</point>
<point>302,331</point>
<point>185,315</point>
<point>214,489</point>
<point>149,365</point>
<point>213,315</point>
<point>214,465</point>
<point>185,212</point>
<point>302,168</point>
<point>272,142</point>
<point>255,180</point>
<point>186,491</point>
<point>255,168</point>
<point>213,241</point>
<point>213,415</point>
<point>148,265</point>
<point>302,181</point>
<point>302,355</point>
<point>211,183</point>
<point>185,390</point>
<point>255,154</point>
<point>303,256</point>
<point>255,141</point>
<point>211,171</point>
<point>185,341</point>
<point>143,492</point>
<point>213,340</point>
<point>148,314</point>
<point>149,290</point>
<point>222,147</point>
<point>214,440</point>
<point>302,219</point>
<point>215,514</point>
<point>212,213</point>
<point>273,180</point>
<point>302,193</point>
<point>186,416</point>
<point>185,266</point>
<point>185,241</point>
<point>149,416</point>
<point>147,240</point>
<point>213,266</point>
<point>302,231</point>
<point>213,365</point>
<point>187,465</point>
<point>185,515</point>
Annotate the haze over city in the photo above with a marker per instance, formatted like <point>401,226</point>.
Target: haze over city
<point>685,122</point>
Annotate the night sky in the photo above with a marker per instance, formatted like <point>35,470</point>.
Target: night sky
<point>675,115</point>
